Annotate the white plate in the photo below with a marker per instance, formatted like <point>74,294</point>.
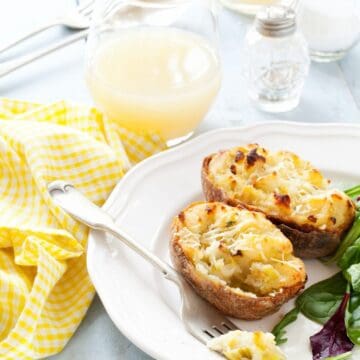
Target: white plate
<point>141,303</point>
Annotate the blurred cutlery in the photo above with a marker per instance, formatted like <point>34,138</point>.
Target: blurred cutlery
<point>11,65</point>
<point>77,18</point>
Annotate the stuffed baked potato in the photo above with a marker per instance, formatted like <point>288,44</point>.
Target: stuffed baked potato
<point>288,190</point>
<point>236,259</point>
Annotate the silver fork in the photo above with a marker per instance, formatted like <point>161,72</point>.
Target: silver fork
<point>200,318</point>
<point>76,19</point>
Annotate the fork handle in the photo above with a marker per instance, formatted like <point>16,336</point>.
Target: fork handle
<point>28,35</point>
<point>82,209</point>
<point>12,65</point>
<point>168,271</point>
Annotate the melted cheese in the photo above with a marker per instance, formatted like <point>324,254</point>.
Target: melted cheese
<point>281,185</point>
<point>243,345</point>
<point>239,248</point>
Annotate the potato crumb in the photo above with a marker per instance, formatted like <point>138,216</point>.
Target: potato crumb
<point>244,345</point>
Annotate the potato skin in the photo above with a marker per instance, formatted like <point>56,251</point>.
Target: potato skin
<point>308,241</point>
<point>311,244</point>
<point>223,297</point>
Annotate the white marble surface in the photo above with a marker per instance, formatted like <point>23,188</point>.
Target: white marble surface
<point>331,94</point>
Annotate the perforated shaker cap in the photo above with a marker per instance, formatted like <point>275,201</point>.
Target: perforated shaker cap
<point>276,21</point>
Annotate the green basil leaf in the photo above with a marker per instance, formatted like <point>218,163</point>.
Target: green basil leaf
<point>351,256</point>
<point>320,301</point>
<point>279,330</point>
<point>352,274</point>
<point>353,192</point>
<point>352,318</point>
<point>354,232</point>
<point>351,236</point>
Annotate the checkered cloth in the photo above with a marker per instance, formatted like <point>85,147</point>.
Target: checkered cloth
<point>45,289</point>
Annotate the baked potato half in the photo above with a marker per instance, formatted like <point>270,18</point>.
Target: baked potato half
<point>236,259</point>
<point>288,190</point>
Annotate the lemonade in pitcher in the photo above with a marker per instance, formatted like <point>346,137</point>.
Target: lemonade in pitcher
<point>155,79</point>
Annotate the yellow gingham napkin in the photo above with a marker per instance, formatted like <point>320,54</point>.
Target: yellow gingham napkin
<point>45,289</point>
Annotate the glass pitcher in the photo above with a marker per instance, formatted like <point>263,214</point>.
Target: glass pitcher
<point>153,65</point>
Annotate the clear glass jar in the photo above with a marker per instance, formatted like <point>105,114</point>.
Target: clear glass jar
<point>277,60</point>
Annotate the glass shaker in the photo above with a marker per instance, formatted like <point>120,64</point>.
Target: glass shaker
<point>277,60</point>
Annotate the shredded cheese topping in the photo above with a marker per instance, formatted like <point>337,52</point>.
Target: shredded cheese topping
<point>281,185</point>
<point>244,345</point>
<point>239,248</point>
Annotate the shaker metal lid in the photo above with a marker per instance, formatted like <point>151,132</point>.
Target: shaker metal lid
<point>276,21</point>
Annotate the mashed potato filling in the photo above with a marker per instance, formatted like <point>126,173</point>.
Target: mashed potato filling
<point>239,248</point>
<point>281,185</point>
<point>243,345</point>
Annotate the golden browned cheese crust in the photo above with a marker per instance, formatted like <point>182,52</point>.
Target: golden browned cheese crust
<point>265,273</point>
<point>288,190</point>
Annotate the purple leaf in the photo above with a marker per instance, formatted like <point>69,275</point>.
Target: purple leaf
<point>332,339</point>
